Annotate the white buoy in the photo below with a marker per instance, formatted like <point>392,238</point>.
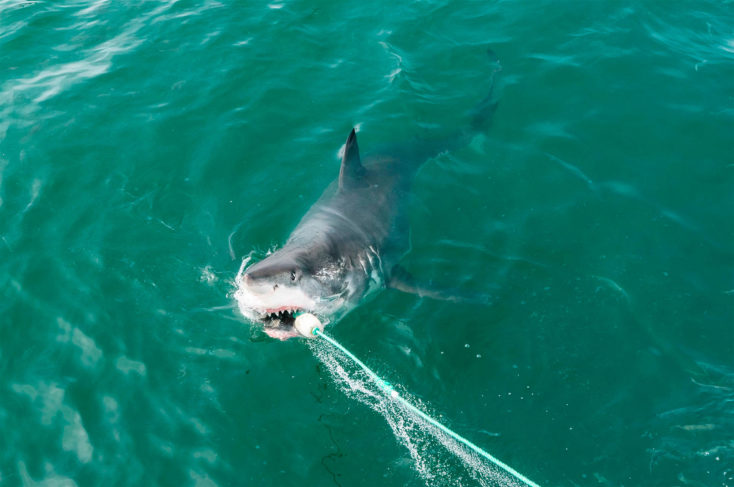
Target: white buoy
<point>306,323</point>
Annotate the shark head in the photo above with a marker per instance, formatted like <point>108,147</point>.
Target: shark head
<point>285,283</point>
<point>327,263</point>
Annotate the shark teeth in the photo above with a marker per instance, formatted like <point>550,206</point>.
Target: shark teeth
<point>279,317</point>
<point>280,311</point>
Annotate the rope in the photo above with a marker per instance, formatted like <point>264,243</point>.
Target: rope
<point>390,391</point>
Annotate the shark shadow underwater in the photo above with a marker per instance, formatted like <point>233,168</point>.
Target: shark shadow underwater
<point>350,243</point>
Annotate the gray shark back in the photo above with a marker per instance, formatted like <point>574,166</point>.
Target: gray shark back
<point>360,220</point>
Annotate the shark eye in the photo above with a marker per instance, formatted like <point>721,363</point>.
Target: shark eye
<point>293,275</point>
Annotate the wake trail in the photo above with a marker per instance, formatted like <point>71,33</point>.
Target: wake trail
<point>426,444</point>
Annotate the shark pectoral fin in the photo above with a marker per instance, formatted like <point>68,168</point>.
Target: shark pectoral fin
<point>402,280</point>
<point>352,171</point>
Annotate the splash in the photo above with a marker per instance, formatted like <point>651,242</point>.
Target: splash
<point>425,443</point>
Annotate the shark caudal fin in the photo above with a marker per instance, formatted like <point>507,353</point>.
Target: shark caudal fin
<point>352,170</point>
<point>425,147</point>
<point>413,153</point>
<point>482,113</point>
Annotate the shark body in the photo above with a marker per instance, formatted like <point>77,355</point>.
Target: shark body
<point>350,242</point>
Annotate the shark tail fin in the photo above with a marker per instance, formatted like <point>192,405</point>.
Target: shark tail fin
<point>480,118</point>
<point>484,110</point>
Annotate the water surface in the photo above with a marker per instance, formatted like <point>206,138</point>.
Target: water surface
<point>146,148</point>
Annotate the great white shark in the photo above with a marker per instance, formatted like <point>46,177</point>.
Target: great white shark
<point>349,244</point>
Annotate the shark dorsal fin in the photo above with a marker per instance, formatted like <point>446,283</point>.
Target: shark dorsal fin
<point>352,170</point>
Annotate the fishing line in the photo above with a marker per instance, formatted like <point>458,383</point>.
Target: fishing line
<point>393,394</point>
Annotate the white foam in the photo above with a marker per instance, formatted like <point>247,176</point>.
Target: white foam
<point>460,468</point>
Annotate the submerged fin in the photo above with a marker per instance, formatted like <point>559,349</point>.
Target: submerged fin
<point>478,120</point>
<point>483,112</point>
<point>352,170</point>
<point>402,280</point>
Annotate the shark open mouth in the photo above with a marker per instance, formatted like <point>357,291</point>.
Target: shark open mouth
<point>275,306</point>
<point>280,317</point>
<point>279,322</point>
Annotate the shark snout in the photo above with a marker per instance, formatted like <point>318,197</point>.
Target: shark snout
<point>258,286</point>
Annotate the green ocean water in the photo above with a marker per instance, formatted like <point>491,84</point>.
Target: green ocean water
<point>147,148</point>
